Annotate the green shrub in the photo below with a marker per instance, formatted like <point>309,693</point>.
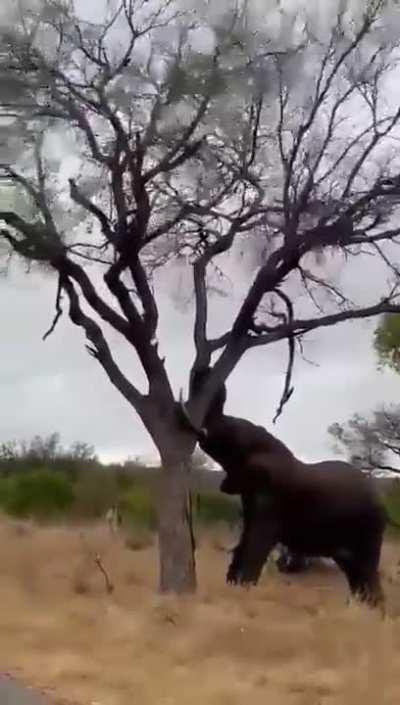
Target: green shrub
<point>212,507</point>
<point>392,505</point>
<point>39,493</point>
<point>4,492</point>
<point>138,508</point>
<point>48,492</point>
<point>94,492</point>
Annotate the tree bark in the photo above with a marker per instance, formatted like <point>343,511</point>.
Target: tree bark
<point>175,525</point>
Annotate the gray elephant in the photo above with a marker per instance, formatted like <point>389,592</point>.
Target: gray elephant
<point>328,509</point>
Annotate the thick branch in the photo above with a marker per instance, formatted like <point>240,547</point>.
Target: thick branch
<point>279,264</point>
<point>121,293</point>
<point>382,466</point>
<point>37,194</point>
<point>41,177</point>
<point>220,342</point>
<point>200,324</point>
<point>58,312</point>
<point>188,149</point>
<point>79,116</point>
<point>140,333</point>
<point>131,327</point>
<point>137,332</point>
<point>143,208</point>
<point>395,449</point>
<point>204,348</point>
<point>34,246</point>
<point>78,274</point>
<point>288,389</point>
<point>299,326</point>
<point>37,244</point>
<point>255,120</point>
<point>79,198</point>
<point>100,349</point>
<point>145,293</point>
<point>168,224</point>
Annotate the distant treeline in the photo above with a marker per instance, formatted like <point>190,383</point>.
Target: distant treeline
<point>43,480</point>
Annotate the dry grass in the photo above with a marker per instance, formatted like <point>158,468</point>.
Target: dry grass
<point>287,642</point>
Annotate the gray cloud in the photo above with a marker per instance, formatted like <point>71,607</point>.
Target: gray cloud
<point>56,386</point>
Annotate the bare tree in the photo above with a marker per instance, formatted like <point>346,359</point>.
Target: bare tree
<point>282,143</point>
<point>372,442</point>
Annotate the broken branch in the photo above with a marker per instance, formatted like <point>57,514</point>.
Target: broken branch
<point>59,311</point>
<point>100,348</point>
<point>288,389</point>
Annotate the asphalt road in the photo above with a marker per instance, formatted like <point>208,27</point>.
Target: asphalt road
<point>11,693</point>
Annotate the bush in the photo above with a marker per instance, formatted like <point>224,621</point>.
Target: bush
<point>211,508</point>
<point>94,492</point>
<point>39,493</point>
<point>47,492</point>
<point>138,508</point>
<point>391,502</point>
<point>4,484</point>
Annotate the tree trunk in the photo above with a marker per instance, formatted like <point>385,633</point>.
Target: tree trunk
<point>175,529</point>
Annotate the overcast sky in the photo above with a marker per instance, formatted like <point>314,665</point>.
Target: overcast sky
<point>55,385</point>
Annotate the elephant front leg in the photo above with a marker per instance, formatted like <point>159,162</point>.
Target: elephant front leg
<point>233,574</point>
<point>259,537</point>
<point>235,567</point>
<point>261,540</point>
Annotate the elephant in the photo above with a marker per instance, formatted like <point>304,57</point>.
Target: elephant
<point>327,509</point>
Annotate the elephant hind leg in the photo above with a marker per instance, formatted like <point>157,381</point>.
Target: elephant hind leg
<point>368,576</point>
<point>368,589</point>
<point>364,580</point>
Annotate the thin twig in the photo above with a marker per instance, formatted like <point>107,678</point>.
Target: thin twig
<point>96,558</point>
<point>288,389</point>
<point>58,313</point>
<point>109,586</point>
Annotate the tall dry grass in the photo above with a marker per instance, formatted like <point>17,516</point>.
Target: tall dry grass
<point>286,642</point>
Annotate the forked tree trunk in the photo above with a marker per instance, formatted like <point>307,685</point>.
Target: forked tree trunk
<point>175,528</point>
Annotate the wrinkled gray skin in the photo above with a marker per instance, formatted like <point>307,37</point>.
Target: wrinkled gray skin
<point>328,509</point>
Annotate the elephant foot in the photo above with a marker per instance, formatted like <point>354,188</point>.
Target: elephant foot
<point>239,580</point>
<point>232,576</point>
<point>376,601</point>
<point>232,581</point>
<point>371,595</point>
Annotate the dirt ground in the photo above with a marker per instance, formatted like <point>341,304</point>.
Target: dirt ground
<point>290,641</point>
